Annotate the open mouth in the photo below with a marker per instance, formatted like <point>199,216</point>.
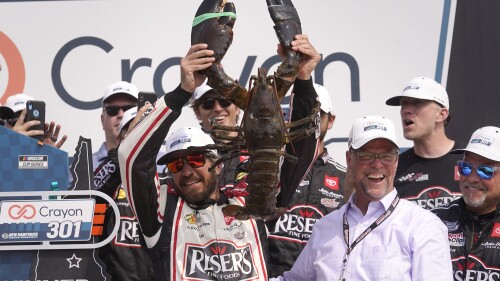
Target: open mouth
<point>407,122</point>
<point>376,178</point>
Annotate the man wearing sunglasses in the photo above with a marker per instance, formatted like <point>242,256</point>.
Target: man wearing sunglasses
<point>126,251</point>
<point>118,98</point>
<point>182,224</point>
<point>426,172</point>
<point>473,221</point>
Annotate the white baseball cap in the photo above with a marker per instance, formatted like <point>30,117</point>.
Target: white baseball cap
<point>179,141</point>
<point>120,87</point>
<point>128,116</point>
<point>422,88</point>
<point>14,104</point>
<point>324,98</point>
<point>199,92</point>
<point>369,128</point>
<point>485,142</point>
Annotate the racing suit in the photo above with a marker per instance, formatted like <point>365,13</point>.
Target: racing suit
<point>307,198</point>
<point>125,250</point>
<point>185,242</point>
<point>474,241</point>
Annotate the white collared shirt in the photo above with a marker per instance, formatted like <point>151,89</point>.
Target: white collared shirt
<point>411,244</point>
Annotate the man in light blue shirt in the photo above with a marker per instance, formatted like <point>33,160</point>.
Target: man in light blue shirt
<point>376,235</point>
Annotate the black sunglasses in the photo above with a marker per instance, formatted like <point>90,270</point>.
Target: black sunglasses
<point>113,110</point>
<point>209,103</point>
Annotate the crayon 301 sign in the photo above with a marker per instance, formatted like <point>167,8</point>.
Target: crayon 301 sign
<point>46,220</point>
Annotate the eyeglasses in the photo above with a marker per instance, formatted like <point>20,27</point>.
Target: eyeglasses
<point>113,110</point>
<point>485,172</point>
<point>209,103</point>
<point>195,161</point>
<point>368,157</point>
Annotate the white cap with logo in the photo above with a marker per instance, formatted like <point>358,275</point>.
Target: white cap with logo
<point>324,98</point>
<point>14,104</point>
<point>128,116</point>
<point>199,92</point>
<point>369,128</point>
<point>422,88</point>
<point>120,87</point>
<point>485,142</point>
<point>185,138</point>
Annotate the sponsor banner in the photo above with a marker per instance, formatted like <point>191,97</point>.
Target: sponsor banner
<point>369,49</point>
<point>46,220</point>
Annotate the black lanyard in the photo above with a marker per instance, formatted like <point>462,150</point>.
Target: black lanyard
<point>365,233</point>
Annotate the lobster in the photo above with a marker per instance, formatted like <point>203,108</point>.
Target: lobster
<point>263,132</point>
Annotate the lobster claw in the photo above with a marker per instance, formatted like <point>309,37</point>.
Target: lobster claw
<point>213,25</point>
<point>287,25</point>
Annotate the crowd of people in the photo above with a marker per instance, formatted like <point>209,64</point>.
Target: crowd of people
<point>428,213</point>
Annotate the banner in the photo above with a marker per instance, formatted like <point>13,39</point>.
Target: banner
<point>67,52</point>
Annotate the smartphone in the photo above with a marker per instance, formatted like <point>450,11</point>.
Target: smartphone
<point>35,110</point>
<point>146,96</point>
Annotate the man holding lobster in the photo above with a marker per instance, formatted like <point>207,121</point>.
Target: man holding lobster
<point>184,227</point>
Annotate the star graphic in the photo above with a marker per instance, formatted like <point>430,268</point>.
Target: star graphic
<point>74,261</point>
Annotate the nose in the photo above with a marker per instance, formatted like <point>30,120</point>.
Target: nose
<point>377,163</point>
<point>473,176</point>
<point>186,169</point>
<point>217,106</point>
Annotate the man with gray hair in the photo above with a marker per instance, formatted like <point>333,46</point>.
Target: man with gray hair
<point>376,235</point>
<point>473,221</point>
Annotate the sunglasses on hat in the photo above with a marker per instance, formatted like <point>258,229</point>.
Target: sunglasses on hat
<point>209,103</point>
<point>484,172</point>
<point>195,161</point>
<point>113,110</point>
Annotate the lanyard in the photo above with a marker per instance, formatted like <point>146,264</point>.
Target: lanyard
<point>365,233</point>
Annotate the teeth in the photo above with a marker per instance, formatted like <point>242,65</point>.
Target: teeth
<point>375,176</point>
<point>191,182</point>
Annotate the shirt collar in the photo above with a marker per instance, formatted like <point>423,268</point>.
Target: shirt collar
<point>386,201</point>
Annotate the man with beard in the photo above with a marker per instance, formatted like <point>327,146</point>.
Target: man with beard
<point>185,231</point>
<point>473,221</point>
<point>426,172</point>
<point>376,235</point>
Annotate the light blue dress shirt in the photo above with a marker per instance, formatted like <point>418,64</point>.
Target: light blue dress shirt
<point>411,244</point>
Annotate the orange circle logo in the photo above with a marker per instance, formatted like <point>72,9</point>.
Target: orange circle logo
<point>14,66</point>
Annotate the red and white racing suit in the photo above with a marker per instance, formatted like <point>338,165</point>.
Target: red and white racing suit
<point>185,243</point>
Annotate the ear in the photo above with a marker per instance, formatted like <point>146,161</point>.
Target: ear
<point>102,120</point>
<point>219,167</point>
<point>348,158</point>
<point>331,120</point>
<point>442,115</point>
<point>197,113</point>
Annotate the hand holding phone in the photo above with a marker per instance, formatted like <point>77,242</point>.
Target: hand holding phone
<point>35,110</point>
<point>146,96</point>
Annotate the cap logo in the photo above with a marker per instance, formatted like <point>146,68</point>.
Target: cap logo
<point>411,87</point>
<point>479,139</point>
<point>182,139</point>
<point>19,102</point>
<point>374,126</point>
<point>120,88</point>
